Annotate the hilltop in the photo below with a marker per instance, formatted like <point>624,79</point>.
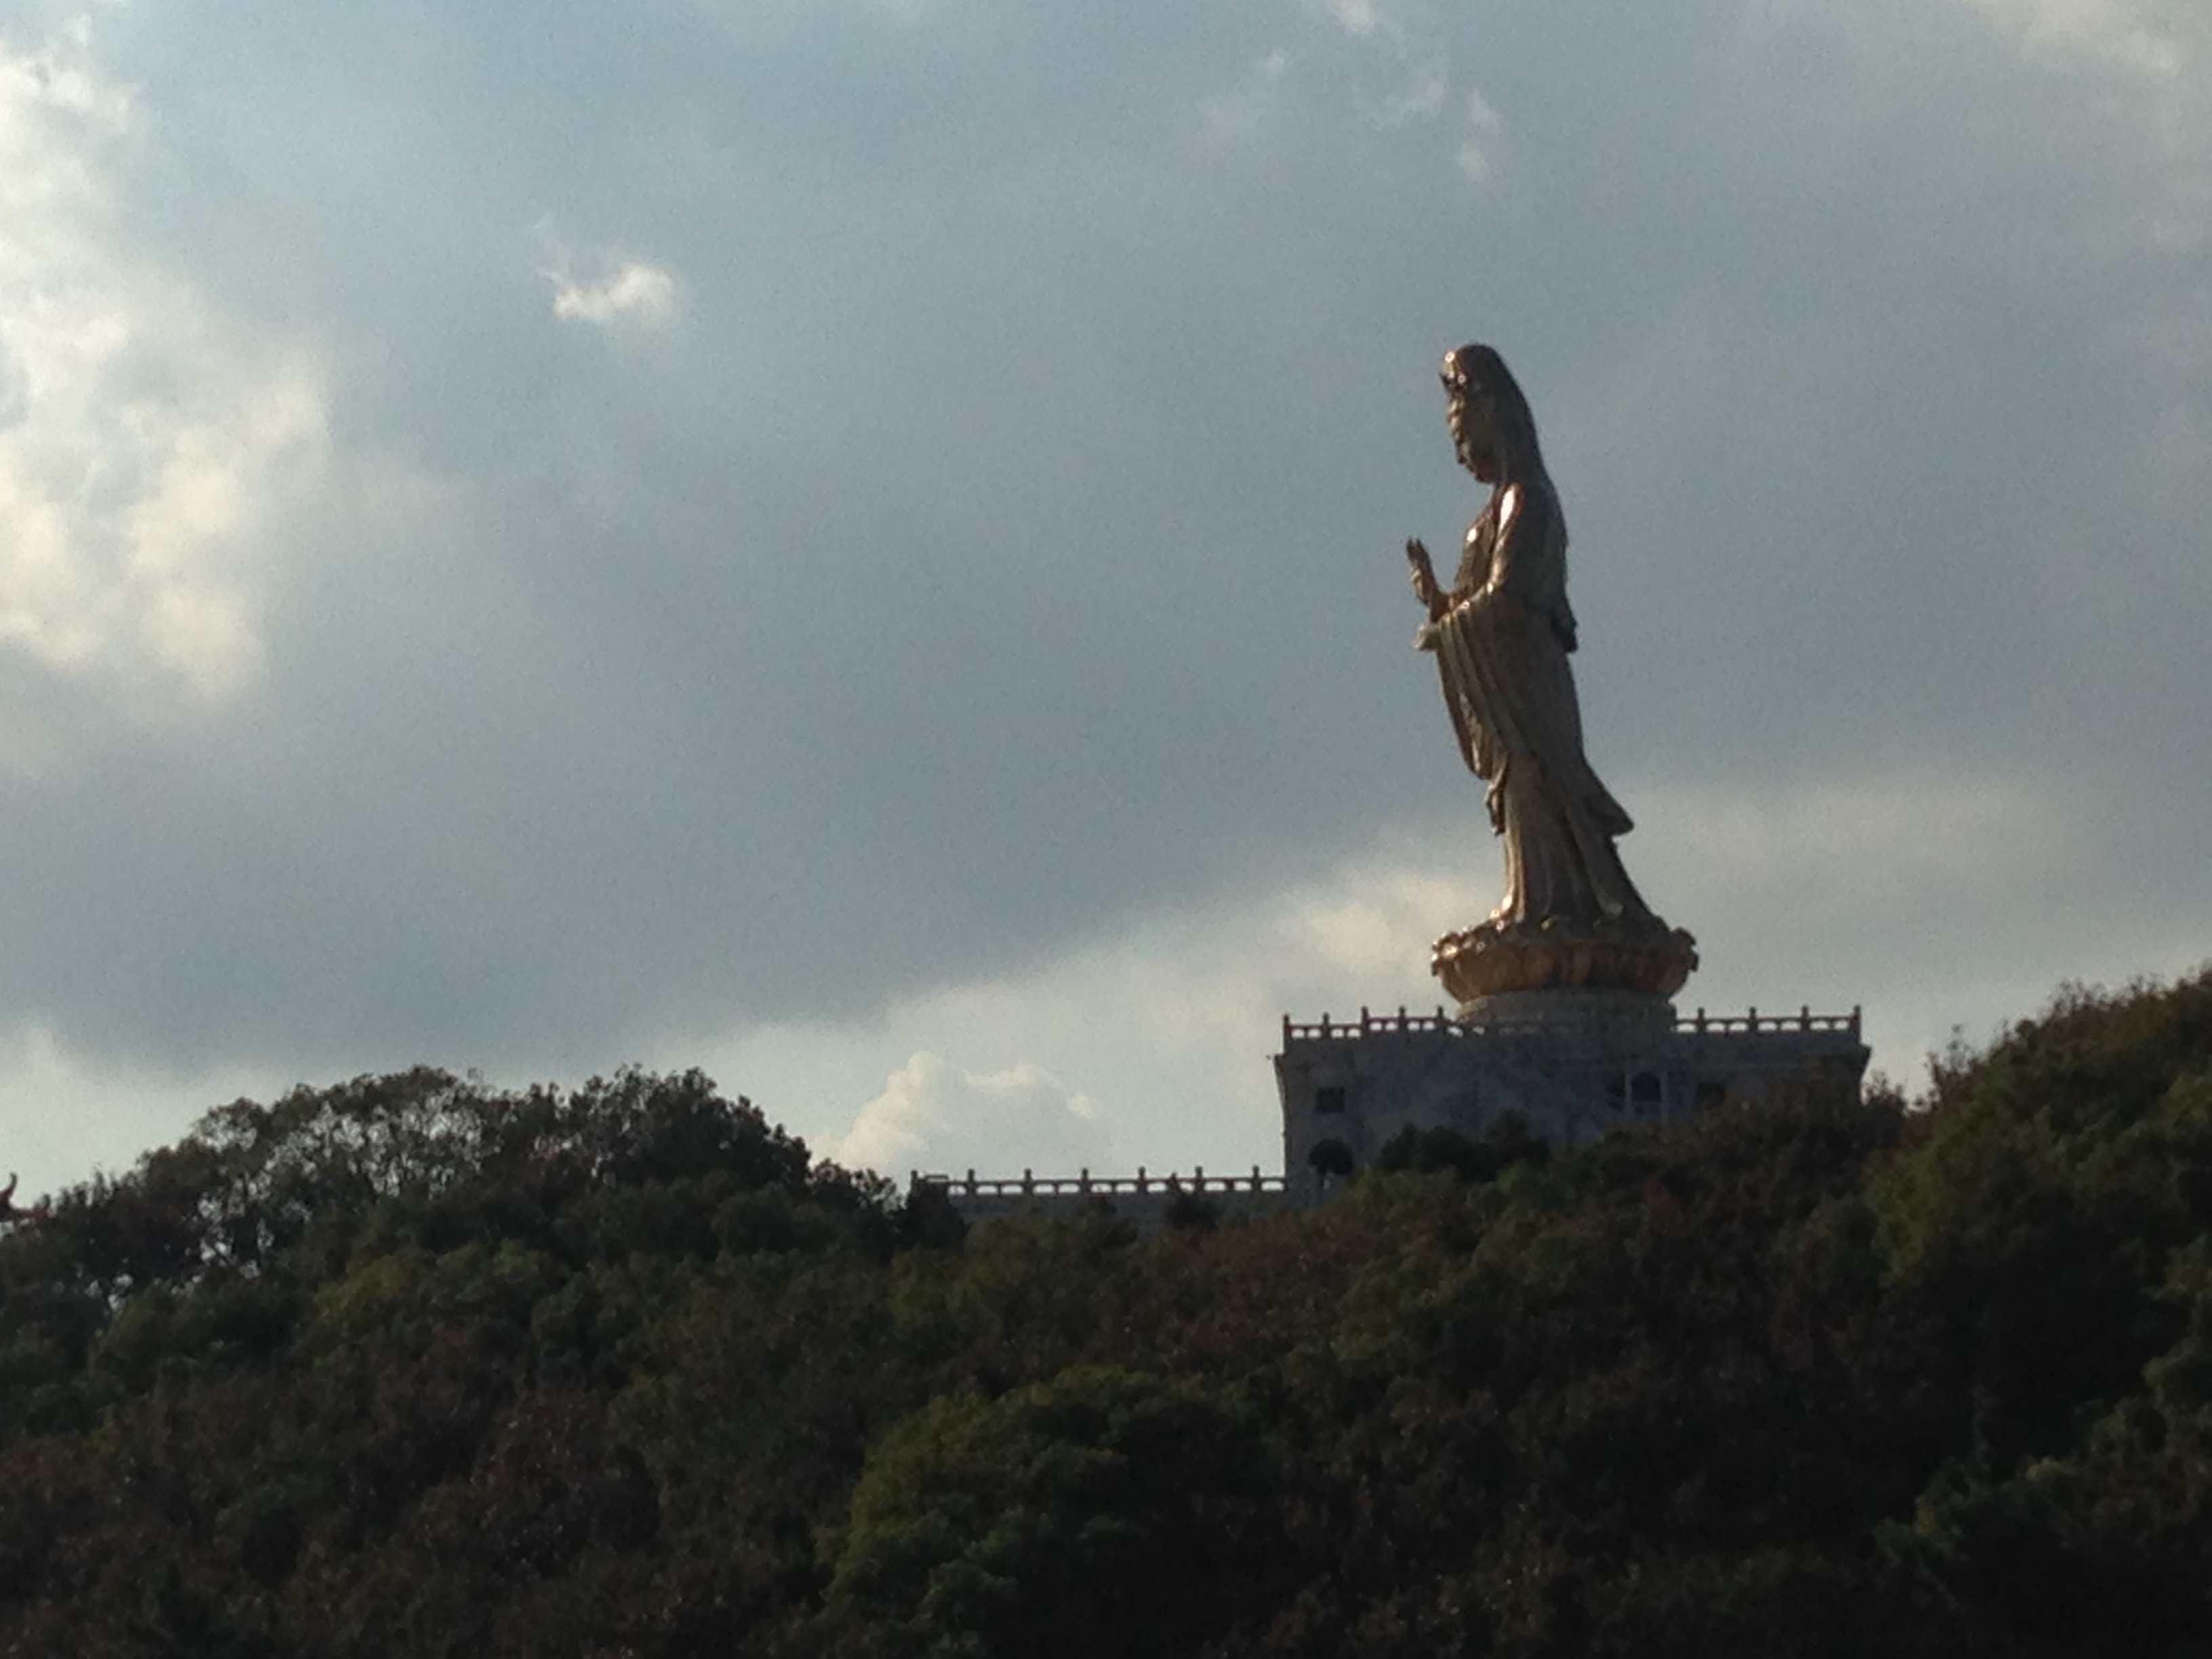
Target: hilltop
<point>410,1366</point>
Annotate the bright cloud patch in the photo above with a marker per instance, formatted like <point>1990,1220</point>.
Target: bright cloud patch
<point>1796,896</point>
<point>1419,97</point>
<point>1418,60</point>
<point>933,1115</point>
<point>642,291</point>
<point>1361,17</point>
<point>1242,111</point>
<point>1478,150</point>
<point>2167,46</point>
<point>1884,842</point>
<point>2147,36</point>
<point>141,446</point>
<point>64,1113</point>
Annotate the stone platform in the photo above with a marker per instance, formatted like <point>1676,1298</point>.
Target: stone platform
<point>1572,1063</point>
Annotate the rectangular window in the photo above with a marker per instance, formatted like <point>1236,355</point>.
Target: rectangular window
<point>1328,1102</point>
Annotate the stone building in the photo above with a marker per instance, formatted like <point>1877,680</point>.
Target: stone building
<point>1570,1064</point>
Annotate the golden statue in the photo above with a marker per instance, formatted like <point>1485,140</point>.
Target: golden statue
<point>1570,917</point>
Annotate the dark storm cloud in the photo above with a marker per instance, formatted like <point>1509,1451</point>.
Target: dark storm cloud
<point>1000,536</point>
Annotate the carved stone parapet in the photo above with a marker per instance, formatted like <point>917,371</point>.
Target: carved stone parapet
<point>1500,957</point>
<point>1575,1011</point>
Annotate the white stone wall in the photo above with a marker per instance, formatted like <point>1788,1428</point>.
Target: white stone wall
<point>1347,1088</point>
<point>1571,1065</point>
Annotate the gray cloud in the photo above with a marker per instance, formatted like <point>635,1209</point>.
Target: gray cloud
<point>1000,540</point>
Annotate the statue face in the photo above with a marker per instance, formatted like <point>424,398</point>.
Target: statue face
<point>1474,429</point>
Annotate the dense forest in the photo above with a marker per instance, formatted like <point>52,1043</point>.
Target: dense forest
<point>409,1366</point>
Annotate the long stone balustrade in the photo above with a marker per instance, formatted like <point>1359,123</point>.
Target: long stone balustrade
<point>1563,1065</point>
<point>1403,1023</point>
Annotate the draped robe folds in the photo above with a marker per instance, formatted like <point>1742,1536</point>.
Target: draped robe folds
<point>1502,652</point>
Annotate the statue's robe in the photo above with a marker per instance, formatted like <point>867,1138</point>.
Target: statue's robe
<point>1502,651</point>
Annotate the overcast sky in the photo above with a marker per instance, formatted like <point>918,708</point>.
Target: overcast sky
<point>854,544</point>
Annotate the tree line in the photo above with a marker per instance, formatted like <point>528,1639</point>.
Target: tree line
<point>413,1366</point>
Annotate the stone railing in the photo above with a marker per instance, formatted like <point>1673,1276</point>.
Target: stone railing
<point>1086,1185</point>
<point>1368,1025</point>
<point>1386,1024</point>
<point>1803,1020</point>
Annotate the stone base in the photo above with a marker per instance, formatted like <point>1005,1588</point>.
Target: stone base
<point>1573,1010</point>
<point>1563,1064</point>
<point>1499,958</point>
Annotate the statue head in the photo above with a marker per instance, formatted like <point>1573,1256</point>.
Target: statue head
<point>1491,428</point>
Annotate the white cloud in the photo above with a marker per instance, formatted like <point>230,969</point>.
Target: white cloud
<point>1936,901</point>
<point>933,1115</point>
<point>1869,842</point>
<point>64,1113</point>
<point>1241,112</point>
<point>1898,891</point>
<point>634,289</point>
<point>1406,43</point>
<point>1357,17</point>
<point>141,444</point>
<point>1166,1031</point>
<point>1419,97</point>
<point>1476,157</point>
<point>2144,37</point>
<point>1362,17</point>
<point>2167,46</point>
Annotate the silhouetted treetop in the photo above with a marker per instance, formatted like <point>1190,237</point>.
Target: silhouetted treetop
<point>411,1365</point>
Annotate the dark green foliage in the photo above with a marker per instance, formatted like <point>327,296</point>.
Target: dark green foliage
<point>1075,1516</point>
<point>410,1366</point>
<point>1507,1143</point>
<point>1194,1212</point>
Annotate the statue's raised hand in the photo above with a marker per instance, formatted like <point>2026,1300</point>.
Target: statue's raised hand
<point>1425,578</point>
